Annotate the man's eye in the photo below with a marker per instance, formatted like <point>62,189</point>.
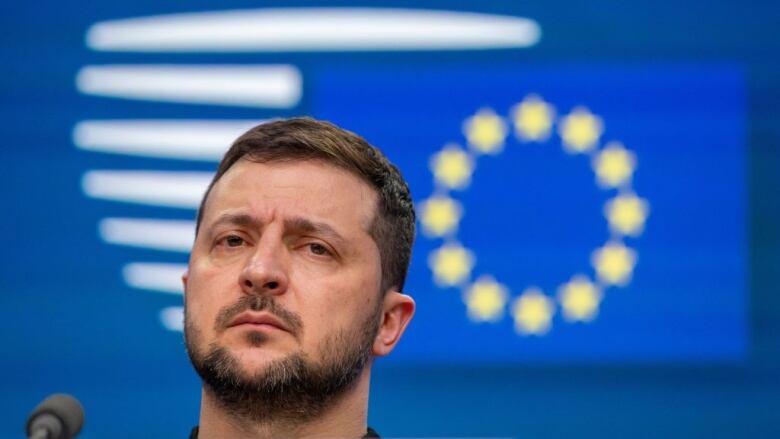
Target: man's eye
<point>318,249</point>
<point>234,241</point>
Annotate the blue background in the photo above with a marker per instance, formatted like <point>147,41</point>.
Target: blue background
<point>692,87</point>
<point>533,213</point>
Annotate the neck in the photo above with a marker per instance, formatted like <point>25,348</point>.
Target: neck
<point>344,418</point>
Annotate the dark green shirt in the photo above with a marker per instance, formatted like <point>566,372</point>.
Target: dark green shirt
<point>369,434</point>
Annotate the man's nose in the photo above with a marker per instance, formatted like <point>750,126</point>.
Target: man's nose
<point>265,271</point>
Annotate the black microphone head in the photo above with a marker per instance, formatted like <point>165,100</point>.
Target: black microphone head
<point>66,408</point>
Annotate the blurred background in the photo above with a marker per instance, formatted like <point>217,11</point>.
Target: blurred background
<point>596,184</point>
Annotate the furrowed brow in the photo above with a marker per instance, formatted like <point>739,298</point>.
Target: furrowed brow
<point>236,219</point>
<point>307,226</point>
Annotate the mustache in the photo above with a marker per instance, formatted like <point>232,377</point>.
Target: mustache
<point>258,303</point>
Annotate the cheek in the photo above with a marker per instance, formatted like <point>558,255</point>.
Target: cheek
<point>338,304</point>
<point>207,292</point>
<point>197,318</point>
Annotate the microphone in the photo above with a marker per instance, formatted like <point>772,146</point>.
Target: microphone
<point>60,416</point>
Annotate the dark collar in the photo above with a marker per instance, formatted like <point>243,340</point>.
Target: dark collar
<point>370,433</point>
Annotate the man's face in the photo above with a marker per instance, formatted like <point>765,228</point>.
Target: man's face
<point>283,266</point>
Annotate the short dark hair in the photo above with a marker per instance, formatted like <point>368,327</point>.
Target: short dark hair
<point>304,138</point>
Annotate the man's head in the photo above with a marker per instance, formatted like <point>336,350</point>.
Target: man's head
<point>303,242</point>
<point>303,139</point>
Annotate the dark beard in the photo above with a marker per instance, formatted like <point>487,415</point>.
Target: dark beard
<point>293,388</point>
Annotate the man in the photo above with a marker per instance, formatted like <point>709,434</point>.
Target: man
<point>294,283</point>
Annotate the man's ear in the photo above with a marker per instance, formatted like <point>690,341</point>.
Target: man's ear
<point>397,311</point>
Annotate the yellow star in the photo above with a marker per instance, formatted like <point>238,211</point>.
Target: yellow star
<point>451,264</point>
<point>614,165</point>
<point>614,263</point>
<point>626,214</point>
<point>579,299</point>
<point>452,167</point>
<point>533,118</point>
<point>485,131</point>
<point>440,215</point>
<point>533,312</point>
<point>485,300</point>
<point>580,130</point>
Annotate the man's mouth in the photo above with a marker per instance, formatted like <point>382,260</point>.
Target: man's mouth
<point>259,320</point>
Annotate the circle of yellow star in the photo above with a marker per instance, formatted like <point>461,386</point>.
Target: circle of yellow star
<point>451,264</point>
<point>533,312</point>
<point>533,118</point>
<point>440,216</point>
<point>452,167</point>
<point>579,299</point>
<point>580,130</point>
<point>626,214</point>
<point>485,131</point>
<point>485,300</point>
<point>614,263</point>
<point>614,165</point>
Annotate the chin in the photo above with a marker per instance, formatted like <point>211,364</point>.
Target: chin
<point>254,359</point>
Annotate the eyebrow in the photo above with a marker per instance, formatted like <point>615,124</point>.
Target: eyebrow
<point>296,224</point>
<point>305,225</point>
<point>238,219</point>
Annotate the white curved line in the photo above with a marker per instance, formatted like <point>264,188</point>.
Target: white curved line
<point>277,86</point>
<point>169,235</point>
<point>160,277</point>
<point>172,318</point>
<point>314,29</point>
<point>205,140</point>
<point>170,189</point>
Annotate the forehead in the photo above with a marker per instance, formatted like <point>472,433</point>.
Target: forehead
<point>310,188</point>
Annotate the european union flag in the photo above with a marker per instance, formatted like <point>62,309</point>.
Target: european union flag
<point>566,212</point>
